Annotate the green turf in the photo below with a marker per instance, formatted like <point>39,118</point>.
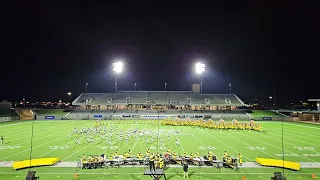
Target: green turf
<point>259,113</point>
<point>301,143</point>
<point>47,173</point>
<point>51,111</point>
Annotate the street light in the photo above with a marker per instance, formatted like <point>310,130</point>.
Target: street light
<point>117,68</point>
<point>200,68</point>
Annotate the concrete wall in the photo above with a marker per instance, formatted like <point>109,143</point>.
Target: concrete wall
<point>5,119</point>
<point>40,117</point>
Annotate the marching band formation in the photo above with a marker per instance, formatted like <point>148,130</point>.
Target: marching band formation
<point>159,161</point>
<point>112,134</point>
<point>221,124</point>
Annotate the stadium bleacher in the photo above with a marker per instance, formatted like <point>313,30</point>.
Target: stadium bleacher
<point>139,97</point>
<point>149,104</point>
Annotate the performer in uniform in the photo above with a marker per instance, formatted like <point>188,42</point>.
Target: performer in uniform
<point>151,162</point>
<point>240,159</point>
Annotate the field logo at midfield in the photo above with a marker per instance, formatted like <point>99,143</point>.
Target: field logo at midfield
<point>256,148</point>
<point>9,147</point>
<point>208,147</point>
<point>58,147</point>
<point>305,148</point>
<point>106,147</point>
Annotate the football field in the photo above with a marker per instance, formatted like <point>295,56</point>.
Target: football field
<point>50,139</point>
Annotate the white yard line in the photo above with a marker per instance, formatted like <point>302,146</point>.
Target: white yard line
<point>14,132</point>
<point>303,126</point>
<point>137,140</point>
<point>41,137</point>
<point>139,173</point>
<point>33,147</point>
<point>252,145</point>
<point>38,145</point>
<point>197,138</point>
<point>76,152</point>
<point>306,136</point>
<point>294,139</point>
<point>14,124</point>
<point>52,150</point>
<point>287,128</point>
<point>226,145</point>
<point>180,144</point>
<point>57,149</point>
<point>279,148</point>
<point>117,139</point>
<point>43,132</point>
<point>89,144</point>
<point>22,127</point>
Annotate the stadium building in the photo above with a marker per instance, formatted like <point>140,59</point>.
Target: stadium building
<point>157,104</point>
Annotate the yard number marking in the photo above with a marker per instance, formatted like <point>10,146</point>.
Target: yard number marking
<point>114,147</point>
<point>305,148</point>
<point>9,147</point>
<point>106,147</point>
<point>256,148</point>
<point>208,147</point>
<point>58,147</point>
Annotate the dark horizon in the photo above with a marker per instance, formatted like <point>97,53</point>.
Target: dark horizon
<point>52,49</point>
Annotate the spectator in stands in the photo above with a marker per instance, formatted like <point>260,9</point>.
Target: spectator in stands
<point>185,170</point>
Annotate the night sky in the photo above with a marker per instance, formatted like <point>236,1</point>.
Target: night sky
<point>50,49</point>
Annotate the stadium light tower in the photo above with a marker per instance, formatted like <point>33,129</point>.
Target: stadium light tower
<point>200,68</point>
<point>69,94</point>
<point>117,68</point>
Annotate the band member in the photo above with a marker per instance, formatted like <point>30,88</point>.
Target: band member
<point>185,170</point>
<point>240,159</point>
<point>151,162</point>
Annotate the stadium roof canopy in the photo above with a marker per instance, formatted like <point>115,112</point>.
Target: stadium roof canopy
<point>157,97</point>
<point>318,103</point>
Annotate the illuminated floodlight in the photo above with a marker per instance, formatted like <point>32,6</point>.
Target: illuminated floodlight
<point>117,67</point>
<point>200,68</point>
<point>270,97</point>
<point>69,93</point>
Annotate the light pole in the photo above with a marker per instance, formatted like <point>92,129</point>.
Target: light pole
<point>117,68</point>
<point>69,94</point>
<point>200,68</point>
<point>87,87</point>
<point>165,86</point>
<point>135,86</point>
<point>270,97</point>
